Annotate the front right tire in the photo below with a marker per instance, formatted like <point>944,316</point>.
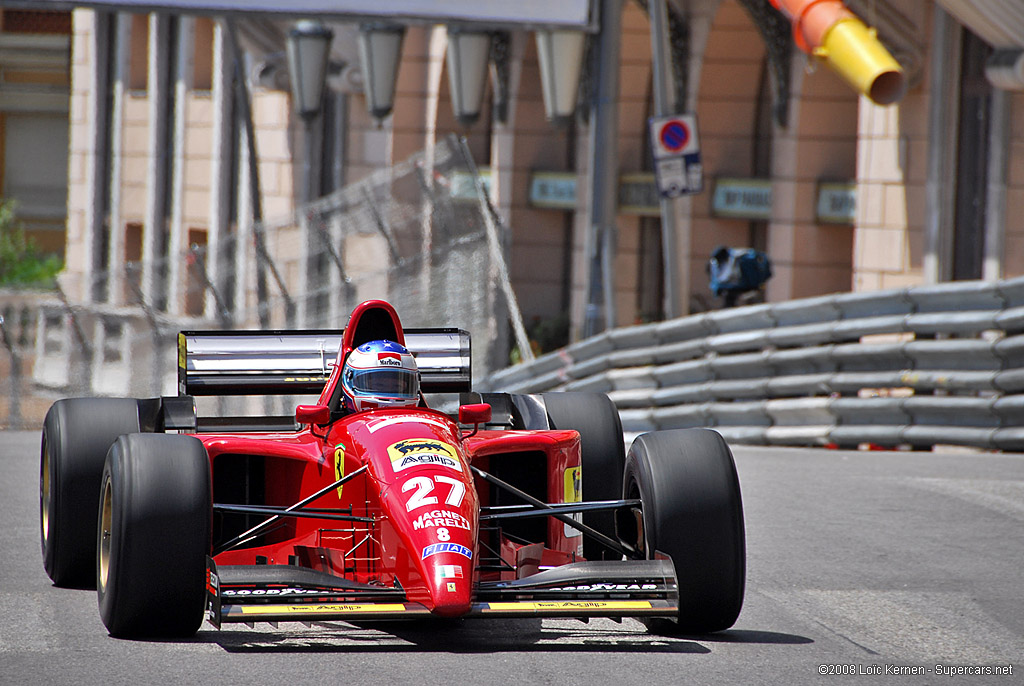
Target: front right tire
<point>602,455</point>
<point>153,536</point>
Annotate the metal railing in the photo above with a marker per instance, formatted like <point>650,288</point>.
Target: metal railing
<point>912,367</point>
<point>420,234</point>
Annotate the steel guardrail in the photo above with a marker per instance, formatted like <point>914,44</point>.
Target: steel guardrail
<point>916,367</point>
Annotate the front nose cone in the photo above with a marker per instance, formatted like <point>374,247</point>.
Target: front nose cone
<point>449,574</point>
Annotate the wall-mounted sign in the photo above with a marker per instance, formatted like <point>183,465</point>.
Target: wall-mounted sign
<point>553,190</point>
<point>463,187</point>
<point>837,203</point>
<point>742,198</point>
<point>733,198</point>
<point>676,148</point>
<point>638,193</point>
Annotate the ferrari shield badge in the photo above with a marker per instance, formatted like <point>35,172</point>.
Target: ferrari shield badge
<point>339,464</point>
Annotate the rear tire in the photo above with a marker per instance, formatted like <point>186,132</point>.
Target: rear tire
<point>77,433</point>
<point>692,512</point>
<point>153,536</point>
<point>602,453</point>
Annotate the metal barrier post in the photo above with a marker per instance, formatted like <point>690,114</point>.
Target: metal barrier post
<point>14,409</point>
<point>85,360</point>
<point>223,314</point>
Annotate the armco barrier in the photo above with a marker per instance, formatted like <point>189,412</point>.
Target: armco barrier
<point>920,366</point>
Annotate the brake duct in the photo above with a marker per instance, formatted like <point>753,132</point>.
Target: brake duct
<point>833,34</point>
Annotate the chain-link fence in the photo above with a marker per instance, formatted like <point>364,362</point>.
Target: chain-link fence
<point>421,235</point>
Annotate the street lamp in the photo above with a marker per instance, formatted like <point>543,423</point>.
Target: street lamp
<point>469,53</point>
<point>380,49</point>
<point>309,46</point>
<point>560,54</point>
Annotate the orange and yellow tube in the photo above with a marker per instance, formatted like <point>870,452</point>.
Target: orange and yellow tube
<point>834,34</point>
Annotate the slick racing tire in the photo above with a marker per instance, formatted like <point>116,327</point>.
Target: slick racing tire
<point>602,450</point>
<point>692,512</point>
<point>77,433</point>
<point>153,536</point>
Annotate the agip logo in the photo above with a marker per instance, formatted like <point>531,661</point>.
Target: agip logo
<point>413,452</point>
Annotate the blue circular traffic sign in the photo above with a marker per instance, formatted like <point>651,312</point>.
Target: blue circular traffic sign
<point>674,135</point>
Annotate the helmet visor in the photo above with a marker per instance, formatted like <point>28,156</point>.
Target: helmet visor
<point>393,383</point>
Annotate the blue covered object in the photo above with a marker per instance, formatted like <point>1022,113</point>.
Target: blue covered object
<point>737,270</point>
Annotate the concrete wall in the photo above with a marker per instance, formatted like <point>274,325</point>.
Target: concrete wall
<point>892,172</point>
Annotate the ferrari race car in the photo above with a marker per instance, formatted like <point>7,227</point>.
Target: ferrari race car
<point>388,512</point>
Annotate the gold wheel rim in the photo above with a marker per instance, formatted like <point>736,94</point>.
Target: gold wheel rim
<point>44,494</point>
<point>106,521</point>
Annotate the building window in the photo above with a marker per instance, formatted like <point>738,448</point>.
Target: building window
<point>34,145</point>
<point>138,61</point>
<point>36,21</point>
<point>202,57</point>
<point>132,262</point>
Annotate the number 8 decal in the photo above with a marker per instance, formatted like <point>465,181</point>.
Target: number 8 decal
<point>424,486</point>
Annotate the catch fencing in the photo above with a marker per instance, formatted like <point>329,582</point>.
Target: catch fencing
<point>913,367</point>
<point>421,235</point>
<point>18,324</point>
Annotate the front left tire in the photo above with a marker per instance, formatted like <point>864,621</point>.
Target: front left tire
<point>693,512</point>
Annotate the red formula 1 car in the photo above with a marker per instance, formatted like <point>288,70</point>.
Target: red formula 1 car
<point>393,512</point>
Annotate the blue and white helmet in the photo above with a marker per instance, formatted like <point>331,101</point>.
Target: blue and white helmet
<point>380,374</point>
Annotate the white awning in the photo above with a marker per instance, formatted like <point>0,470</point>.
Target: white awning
<point>1000,23</point>
<point>527,13</point>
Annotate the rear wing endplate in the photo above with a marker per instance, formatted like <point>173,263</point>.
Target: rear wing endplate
<point>300,362</point>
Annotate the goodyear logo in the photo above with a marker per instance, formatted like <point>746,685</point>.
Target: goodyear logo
<point>436,548</point>
<point>413,452</point>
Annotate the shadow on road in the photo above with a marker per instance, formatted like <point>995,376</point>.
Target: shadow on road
<point>751,636</point>
<point>528,635</point>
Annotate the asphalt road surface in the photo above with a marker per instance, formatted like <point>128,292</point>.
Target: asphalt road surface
<point>859,565</point>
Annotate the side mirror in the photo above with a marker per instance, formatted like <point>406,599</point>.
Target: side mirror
<point>477,413</point>
<point>312,414</point>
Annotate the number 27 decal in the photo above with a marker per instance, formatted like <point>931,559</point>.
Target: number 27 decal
<point>424,486</point>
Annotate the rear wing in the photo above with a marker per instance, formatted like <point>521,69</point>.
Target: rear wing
<point>300,362</point>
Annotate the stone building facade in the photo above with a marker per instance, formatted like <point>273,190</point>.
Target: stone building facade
<point>842,194</point>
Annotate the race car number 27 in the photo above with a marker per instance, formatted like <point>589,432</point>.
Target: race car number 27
<point>424,487</point>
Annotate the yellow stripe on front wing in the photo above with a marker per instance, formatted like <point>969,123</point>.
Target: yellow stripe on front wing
<point>563,605</point>
<point>348,607</point>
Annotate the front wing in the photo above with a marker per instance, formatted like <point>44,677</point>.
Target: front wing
<point>279,593</point>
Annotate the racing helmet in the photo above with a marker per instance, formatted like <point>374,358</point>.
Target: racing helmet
<point>380,374</point>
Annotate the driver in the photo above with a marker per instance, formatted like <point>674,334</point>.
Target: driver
<point>380,374</point>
